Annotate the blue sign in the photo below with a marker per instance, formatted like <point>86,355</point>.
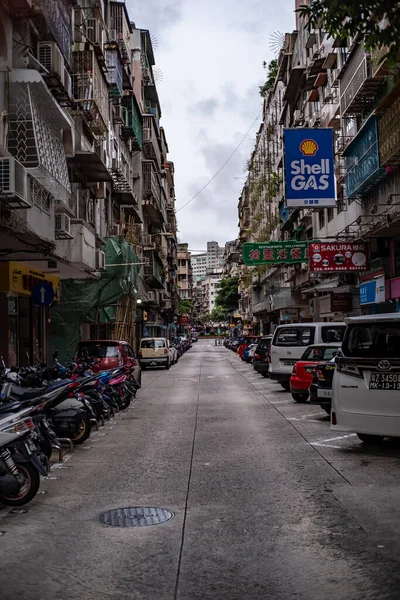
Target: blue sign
<point>309,168</point>
<point>43,294</point>
<point>373,292</point>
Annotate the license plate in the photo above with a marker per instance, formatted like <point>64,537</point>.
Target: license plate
<point>324,393</point>
<point>288,363</point>
<point>384,381</point>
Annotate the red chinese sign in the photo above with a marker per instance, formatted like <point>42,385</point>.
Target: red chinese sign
<point>338,257</point>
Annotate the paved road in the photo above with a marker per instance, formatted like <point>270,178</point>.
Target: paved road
<point>267,505</point>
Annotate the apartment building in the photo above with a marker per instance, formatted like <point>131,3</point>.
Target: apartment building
<point>185,275</point>
<point>86,187</point>
<point>199,266</point>
<point>326,83</point>
<point>207,261</point>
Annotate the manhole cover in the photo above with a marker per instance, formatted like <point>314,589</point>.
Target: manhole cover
<point>135,517</point>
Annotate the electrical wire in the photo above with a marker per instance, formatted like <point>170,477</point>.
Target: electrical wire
<point>223,166</point>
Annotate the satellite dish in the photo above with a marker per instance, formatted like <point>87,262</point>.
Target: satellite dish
<point>276,42</point>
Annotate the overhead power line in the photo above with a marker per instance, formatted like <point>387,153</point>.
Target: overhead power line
<point>224,165</point>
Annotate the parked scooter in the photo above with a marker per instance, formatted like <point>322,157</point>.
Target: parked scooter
<point>20,468</point>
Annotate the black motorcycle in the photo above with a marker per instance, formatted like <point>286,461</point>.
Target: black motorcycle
<point>20,468</point>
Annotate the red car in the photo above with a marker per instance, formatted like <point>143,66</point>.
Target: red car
<point>301,378</point>
<point>111,354</point>
<point>246,341</point>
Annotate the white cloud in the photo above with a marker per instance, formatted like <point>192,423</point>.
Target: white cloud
<point>211,56</point>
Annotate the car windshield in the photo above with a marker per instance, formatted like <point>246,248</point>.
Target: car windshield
<point>97,350</point>
<point>153,344</point>
<point>332,333</point>
<point>318,353</point>
<point>295,336</point>
<point>264,343</point>
<point>373,340</point>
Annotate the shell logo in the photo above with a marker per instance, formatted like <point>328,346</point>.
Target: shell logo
<point>309,148</point>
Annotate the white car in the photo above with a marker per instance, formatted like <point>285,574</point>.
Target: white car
<point>366,384</point>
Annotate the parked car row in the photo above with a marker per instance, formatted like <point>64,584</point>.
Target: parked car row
<point>350,369</point>
<point>160,352</point>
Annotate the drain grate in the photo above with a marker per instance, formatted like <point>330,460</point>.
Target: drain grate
<point>135,517</point>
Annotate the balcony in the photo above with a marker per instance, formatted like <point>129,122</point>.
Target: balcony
<point>90,90</point>
<point>81,249</point>
<point>119,23</point>
<point>360,84</point>
<point>152,203</point>
<point>151,140</point>
<point>132,126</point>
<point>154,274</point>
<point>114,73</point>
<point>389,133</point>
<point>361,161</point>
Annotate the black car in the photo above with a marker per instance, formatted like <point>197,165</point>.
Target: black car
<point>321,385</point>
<point>261,355</point>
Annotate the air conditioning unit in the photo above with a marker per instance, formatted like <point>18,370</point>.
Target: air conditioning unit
<point>62,227</point>
<point>135,175</point>
<point>152,296</point>
<point>93,31</point>
<point>49,55</point>
<point>100,260</point>
<point>13,184</point>
<point>67,82</point>
<point>116,229</point>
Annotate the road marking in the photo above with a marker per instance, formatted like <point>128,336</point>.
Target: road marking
<point>339,437</point>
<point>327,446</point>
<point>304,420</point>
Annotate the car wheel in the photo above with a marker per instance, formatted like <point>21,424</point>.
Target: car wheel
<point>286,385</point>
<point>371,439</point>
<point>167,366</point>
<point>264,375</point>
<point>300,397</point>
<point>326,409</point>
<point>143,368</point>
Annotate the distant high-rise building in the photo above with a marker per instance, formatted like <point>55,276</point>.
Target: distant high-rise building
<point>208,261</point>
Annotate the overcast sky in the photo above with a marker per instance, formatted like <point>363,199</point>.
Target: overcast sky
<point>210,53</point>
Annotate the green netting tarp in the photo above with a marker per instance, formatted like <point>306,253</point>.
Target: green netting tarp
<point>93,301</point>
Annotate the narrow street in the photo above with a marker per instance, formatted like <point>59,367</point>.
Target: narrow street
<point>268,503</point>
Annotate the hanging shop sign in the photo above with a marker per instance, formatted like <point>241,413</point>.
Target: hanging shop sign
<point>309,168</point>
<point>338,257</point>
<point>289,314</point>
<point>373,292</point>
<point>263,253</point>
<point>340,303</point>
<point>20,279</point>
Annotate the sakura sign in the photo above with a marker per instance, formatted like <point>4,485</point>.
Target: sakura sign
<point>274,252</point>
<point>338,257</point>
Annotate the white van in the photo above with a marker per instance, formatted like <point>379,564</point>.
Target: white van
<point>290,341</point>
<point>366,384</point>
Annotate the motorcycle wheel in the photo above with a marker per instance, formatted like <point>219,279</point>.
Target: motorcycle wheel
<point>28,490</point>
<point>125,402</point>
<point>84,429</point>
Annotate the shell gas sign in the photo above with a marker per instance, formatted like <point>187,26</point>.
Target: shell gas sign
<point>309,168</point>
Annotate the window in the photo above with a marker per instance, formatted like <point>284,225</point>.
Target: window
<point>97,350</point>
<point>373,340</point>
<point>151,343</point>
<point>318,353</point>
<point>332,334</point>
<point>331,214</point>
<point>129,351</point>
<point>321,219</point>
<point>294,336</point>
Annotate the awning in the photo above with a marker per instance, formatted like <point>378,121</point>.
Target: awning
<point>91,166</point>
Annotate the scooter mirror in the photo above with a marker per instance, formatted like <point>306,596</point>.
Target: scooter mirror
<point>55,354</point>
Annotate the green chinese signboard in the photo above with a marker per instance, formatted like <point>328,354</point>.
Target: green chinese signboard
<point>276,253</point>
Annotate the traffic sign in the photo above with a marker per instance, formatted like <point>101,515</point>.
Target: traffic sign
<point>43,294</point>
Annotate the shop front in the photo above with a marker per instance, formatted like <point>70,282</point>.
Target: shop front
<point>25,297</point>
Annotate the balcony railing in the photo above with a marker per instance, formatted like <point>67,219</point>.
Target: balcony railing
<point>151,183</point>
<point>154,273</point>
<point>389,135</point>
<point>132,127</point>
<point>151,143</point>
<point>120,24</point>
<point>90,91</point>
<point>114,73</point>
<point>359,86</point>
